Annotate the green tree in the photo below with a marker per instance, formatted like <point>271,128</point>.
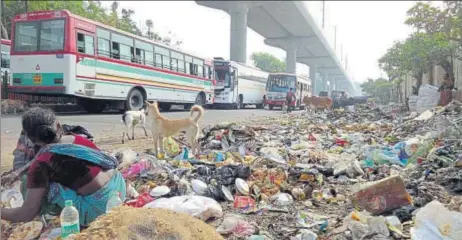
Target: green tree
<point>379,88</point>
<point>441,27</point>
<point>268,62</point>
<point>89,9</point>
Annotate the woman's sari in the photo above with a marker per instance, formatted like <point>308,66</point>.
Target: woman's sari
<point>89,206</point>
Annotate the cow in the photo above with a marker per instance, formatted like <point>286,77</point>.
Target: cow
<point>316,102</point>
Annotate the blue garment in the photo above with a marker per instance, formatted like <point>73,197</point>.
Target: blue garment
<point>93,205</point>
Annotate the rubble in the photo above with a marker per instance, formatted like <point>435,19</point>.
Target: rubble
<point>366,173</point>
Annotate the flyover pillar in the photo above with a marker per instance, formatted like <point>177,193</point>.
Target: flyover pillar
<point>291,58</point>
<point>238,46</point>
<point>313,69</point>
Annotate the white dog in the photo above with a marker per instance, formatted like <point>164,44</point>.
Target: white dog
<point>131,119</point>
<point>284,107</point>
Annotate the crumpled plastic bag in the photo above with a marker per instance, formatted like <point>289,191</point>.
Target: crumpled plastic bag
<point>196,206</point>
<point>434,221</point>
<point>235,225</point>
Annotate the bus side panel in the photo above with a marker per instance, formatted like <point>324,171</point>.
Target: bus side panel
<point>252,91</point>
<point>158,85</point>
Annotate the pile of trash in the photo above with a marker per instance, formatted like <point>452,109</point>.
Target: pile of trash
<point>366,174</point>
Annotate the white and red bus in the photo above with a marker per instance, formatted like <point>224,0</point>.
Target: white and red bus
<point>278,85</point>
<point>58,53</point>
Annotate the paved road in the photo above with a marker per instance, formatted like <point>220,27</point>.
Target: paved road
<point>105,126</point>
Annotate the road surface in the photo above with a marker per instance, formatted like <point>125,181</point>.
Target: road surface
<point>108,128</point>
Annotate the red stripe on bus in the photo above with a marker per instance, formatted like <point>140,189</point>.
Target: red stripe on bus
<point>137,84</point>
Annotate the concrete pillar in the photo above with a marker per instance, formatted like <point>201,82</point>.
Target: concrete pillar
<point>314,90</point>
<point>238,46</point>
<point>291,58</point>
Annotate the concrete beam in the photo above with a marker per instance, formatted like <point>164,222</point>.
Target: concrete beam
<point>283,41</point>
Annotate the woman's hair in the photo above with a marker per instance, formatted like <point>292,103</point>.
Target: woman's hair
<point>40,125</point>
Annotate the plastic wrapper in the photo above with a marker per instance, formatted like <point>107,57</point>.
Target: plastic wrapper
<point>196,206</point>
<point>236,226</point>
<point>434,221</point>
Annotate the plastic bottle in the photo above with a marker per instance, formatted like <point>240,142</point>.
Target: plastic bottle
<point>113,202</point>
<point>69,217</point>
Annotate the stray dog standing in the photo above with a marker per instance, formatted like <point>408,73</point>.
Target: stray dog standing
<point>131,119</point>
<point>162,127</point>
<point>284,107</point>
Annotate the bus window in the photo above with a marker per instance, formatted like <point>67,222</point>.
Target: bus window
<point>85,44</point>
<point>163,61</point>
<point>158,60</point>
<point>174,64</point>
<point>115,50</point>
<point>181,66</point>
<point>177,61</point>
<point>103,47</point>
<point>139,56</point>
<point>188,66</point>
<point>125,52</point>
<point>166,62</point>
<point>206,71</point>
<point>200,71</point>
<point>149,58</point>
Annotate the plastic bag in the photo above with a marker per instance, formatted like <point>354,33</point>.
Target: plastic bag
<point>235,225</point>
<point>434,221</point>
<point>196,206</point>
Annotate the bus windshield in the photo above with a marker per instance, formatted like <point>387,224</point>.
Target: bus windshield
<point>280,83</point>
<point>223,77</point>
<point>34,36</point>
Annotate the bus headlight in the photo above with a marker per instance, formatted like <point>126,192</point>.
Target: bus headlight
<point>17,80</point>
<point>58,81</point>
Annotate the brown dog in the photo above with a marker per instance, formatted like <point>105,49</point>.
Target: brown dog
<point>162,127</point>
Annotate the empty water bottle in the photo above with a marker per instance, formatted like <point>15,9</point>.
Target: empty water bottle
<point>114,201</point>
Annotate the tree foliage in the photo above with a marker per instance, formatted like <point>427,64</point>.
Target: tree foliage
<point>432,44</point>
<point>378,88</point>
<point>119,18</point>
<point>268,62</point>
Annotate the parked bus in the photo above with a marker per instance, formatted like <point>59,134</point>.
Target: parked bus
<point>59,53</point>
<point>5,59</point>
<point>238,84</point>
<point>279,84</point>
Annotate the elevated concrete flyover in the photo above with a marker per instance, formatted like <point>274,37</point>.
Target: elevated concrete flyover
<point>287,25</point>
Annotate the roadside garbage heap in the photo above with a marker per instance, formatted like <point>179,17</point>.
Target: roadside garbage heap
<point>340,175</point>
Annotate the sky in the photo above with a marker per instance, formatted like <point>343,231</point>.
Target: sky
<point>365,29</point>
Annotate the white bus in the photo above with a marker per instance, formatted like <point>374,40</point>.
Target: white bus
<point>279,84</point>
<point>238,84</point>
<point>57,53</point>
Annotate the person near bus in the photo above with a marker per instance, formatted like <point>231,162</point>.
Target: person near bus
<point>290,97</point>
<point>67,167</point>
